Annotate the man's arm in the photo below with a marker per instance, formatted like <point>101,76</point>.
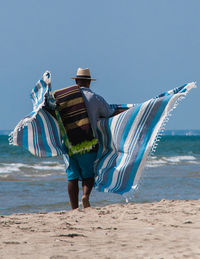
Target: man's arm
<point>105,110</point>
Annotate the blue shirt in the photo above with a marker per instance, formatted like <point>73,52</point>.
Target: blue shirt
<point>96,106</point>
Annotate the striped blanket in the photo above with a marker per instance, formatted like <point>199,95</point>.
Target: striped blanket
<point>73,120</point>
<point>125,140</point>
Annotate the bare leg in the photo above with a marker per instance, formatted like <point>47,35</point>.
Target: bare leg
<point>87,185</point>
<point>73,191</point>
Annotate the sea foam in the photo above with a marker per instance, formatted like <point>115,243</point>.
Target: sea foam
<point>172,160</point>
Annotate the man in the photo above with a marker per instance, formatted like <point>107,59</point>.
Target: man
<point>81,166</point>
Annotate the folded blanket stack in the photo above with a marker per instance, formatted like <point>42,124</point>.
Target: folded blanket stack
<point>73,120</point>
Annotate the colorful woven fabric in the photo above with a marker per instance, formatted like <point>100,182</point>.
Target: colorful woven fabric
<point>125,140</point>
<point>39,132</point>
<point>72,114</point>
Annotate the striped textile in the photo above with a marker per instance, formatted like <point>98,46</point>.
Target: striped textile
<point>125,140</point>
<point>41,136</point>
<point>39,132</point>
<point>73,116</point>
<point>42,93</point>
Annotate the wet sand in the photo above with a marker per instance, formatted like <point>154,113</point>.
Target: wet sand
<point>165,229</point>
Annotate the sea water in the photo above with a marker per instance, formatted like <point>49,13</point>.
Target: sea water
<point>29,184</point>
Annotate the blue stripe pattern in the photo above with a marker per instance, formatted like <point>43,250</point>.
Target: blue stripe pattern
<point>124,150</point>
<point>125,140</point>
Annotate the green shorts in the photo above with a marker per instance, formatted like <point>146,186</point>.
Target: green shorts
<point>81,166</point>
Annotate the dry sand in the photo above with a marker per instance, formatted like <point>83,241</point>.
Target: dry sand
<point>166,229</point>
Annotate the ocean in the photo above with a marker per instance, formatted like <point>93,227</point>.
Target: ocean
<point>29,184</point>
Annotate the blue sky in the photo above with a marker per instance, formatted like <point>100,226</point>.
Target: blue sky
<point>135,48</point>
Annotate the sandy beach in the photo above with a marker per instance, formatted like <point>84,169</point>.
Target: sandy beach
<point>165,229</point>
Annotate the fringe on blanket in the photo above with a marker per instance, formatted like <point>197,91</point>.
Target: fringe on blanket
<point>133,135</point>
<point>125,140</point>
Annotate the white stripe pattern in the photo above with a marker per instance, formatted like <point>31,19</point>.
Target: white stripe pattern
<point>126,139</point>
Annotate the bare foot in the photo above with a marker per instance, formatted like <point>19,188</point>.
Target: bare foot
<point>85,202</point>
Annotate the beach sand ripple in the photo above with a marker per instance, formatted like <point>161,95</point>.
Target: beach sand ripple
<point>165,229</point>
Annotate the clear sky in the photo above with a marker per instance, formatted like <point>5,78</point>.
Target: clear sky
<point>135,48</point>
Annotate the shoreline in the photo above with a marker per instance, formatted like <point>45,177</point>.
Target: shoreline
<point>168,229</point>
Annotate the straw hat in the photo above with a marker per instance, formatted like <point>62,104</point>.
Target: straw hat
<point>83,73</point>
